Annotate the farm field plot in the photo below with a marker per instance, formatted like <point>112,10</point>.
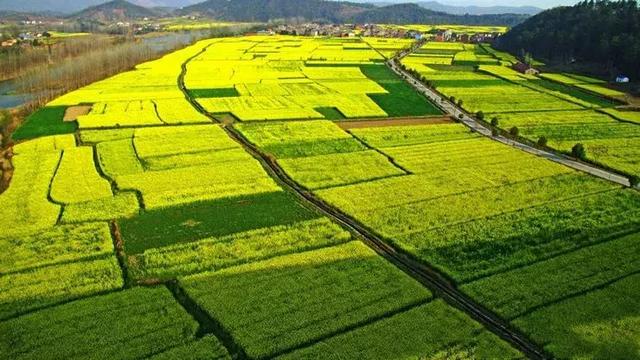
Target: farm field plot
<point>564,109</point>
<point>320,154</point>
<point>284,78</point>
<point>130,324</point>
<point>404,336</point>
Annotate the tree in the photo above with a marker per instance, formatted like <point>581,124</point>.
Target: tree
<point>494,121</point>
<point>542,141</point>
<point>452,99</point>
<point>480,115</point>
<point>514,131</point>
<point>634,180</point>
<point>578,151</point>
<point>460,102</point>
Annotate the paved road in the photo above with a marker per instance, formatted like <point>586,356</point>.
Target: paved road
<point>451,109</point>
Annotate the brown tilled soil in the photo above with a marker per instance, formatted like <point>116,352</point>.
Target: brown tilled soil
<point>72,112</point>
<point>367,123</point>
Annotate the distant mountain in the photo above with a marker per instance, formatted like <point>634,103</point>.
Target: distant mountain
<point>337,12</point>
<point>265,10</point>
<point>479,10</point>
<point>72,6</point>
<point>115,10</point>
<point>415,14</point>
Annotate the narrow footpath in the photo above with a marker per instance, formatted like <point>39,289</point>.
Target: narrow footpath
<point>451,109</point>
<point>427,275</point>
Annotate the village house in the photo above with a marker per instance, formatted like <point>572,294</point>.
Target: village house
<point>525,69</point>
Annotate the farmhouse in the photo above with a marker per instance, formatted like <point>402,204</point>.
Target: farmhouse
<point>525,69</point>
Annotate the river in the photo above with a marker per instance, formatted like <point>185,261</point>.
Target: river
<point>8,96</point>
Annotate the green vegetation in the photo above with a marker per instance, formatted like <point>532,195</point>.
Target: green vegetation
<point>46,121</point>
<point>124,204</point>
<point>274,306</point>
<point>514,293</point>
<point>77,180</point>
<point>330,113</point>
<point>402,99</point>
<point>39,287</point>
<point>600,324</point>
<point>136,323</point>
<point>300,139</point>
<point>213,93</point>
<point>433,330</point>
<point>196,221</point>
<point>215,253</point>
<point>331,170</point>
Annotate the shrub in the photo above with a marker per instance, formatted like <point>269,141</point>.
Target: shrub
<point>460,102</point>
<point>480,115</point>
<point>514,131</point>
<point>634,180</point>
<point>494,121</point>
<point>452,99</point>
<point>542,141</point>
<point>579,151</point>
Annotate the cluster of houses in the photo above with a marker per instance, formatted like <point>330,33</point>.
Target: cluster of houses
<point>348,30</point>
<point>24,37</point>
<point>444,35</point>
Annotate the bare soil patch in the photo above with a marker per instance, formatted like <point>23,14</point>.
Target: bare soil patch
<point>72,112</point>
<point>368,123</point>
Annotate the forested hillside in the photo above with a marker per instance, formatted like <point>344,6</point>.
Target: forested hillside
<point>339,12</point>
<point>603,32</point>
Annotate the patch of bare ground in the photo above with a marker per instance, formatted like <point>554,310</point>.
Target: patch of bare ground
<point>6,169</point>
<point>368,123</point>
<point>72,112</point>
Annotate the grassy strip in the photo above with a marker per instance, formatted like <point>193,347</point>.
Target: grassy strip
<point>46,121</point>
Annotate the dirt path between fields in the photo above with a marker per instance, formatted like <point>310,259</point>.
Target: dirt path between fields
<point>369,123</point>
<point>427,275</point>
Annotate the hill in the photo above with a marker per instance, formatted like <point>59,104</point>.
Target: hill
<point>479,10</point>
<point>414,14</point>
<point>604,32</point>
<point>337,12</point>
<point>114,11</point>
